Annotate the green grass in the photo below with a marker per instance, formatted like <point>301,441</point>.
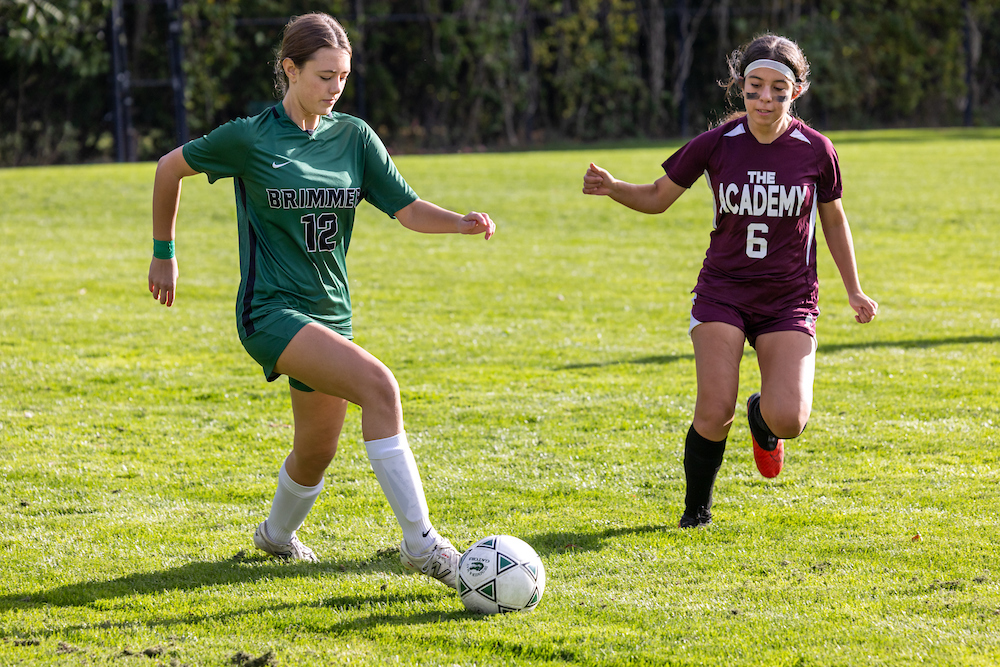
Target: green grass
<point>547,381</point>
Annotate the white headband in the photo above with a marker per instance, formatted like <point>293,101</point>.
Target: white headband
<point>771,64</point>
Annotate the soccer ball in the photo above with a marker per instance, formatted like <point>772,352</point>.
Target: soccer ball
<point>499,574</point>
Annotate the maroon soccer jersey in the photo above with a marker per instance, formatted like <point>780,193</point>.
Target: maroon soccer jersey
<point>762,253</point>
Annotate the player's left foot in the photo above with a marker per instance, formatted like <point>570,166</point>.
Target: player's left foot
<point>768,449</point>
<point>769,463</point>
<point>440,562</point>
<point>697,518</point>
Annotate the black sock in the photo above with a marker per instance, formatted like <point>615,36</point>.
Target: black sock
<point>702,460</point>
<point>761,431</point>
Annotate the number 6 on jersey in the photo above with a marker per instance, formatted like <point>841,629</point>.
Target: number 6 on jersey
<point>756,245</point>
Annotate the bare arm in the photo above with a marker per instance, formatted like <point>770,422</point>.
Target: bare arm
<point>838,238</point>
<point>428,218</point>
<point>656,197</point>
<point>171,168</point>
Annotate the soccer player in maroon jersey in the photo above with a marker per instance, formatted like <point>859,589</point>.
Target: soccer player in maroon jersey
<point>770,175</point>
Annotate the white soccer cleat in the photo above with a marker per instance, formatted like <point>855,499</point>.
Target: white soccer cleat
<point>292,551</point>
<point>441,562</point>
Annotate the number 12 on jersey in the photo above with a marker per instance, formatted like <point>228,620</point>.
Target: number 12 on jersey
<point>321,231</point>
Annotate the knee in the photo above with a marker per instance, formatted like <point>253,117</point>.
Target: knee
<point>318,457</point>
<point>713,418</point>
<point>314,447</point>
<point>309,459</point>
<point>383,389</point>
<point>788,421</point>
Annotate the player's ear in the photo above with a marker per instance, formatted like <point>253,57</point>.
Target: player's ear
<point>797,90</point>
<point>291,71</point>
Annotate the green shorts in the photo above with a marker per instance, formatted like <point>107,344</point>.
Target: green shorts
<point>272,334</point>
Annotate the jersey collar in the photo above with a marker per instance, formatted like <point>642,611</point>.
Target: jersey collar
<point>278,111</point>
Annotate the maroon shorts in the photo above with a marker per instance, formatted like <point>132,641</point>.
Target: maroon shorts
<point>797,318</point>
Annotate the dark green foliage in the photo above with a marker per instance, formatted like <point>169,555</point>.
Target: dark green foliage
<point>463,74</point>
<point>53,70</point>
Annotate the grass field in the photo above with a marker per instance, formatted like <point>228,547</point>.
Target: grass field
<point>547,383</point>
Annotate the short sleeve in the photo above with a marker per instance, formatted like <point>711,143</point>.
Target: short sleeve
<point>688,164</point>
<point>383,186</point>
<point>222,153</point>
<point>830,186</point>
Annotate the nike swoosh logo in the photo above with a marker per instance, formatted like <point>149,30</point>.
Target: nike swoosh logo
<point>428,532</point>
<point>275,165</point>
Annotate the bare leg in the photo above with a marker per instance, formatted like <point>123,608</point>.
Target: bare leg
<point>318,421</point>
<point>718,350</point>
<point>319,418</point>
<point>341,371</point>
<point>787,367</point>
<point>333,365</point>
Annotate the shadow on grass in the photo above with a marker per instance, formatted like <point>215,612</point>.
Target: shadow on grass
<point>237,570</point>
<point>549,543</point>
<point>375,606</point>
<point>917,343</point>
<point>362,611</point>
<point>658,359</point>
<point>240,570</point>
<point>365,611</point>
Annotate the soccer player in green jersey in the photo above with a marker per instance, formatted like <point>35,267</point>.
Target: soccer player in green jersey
<point>300,170</point>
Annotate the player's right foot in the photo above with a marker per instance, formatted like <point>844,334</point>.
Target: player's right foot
<point>696,518</point>
<point>294,550</point>
<point>768,449</point>
<point>439,562</point>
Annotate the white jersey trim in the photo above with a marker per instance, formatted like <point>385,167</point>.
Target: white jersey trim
<point>812,223</point>
<point>797,134</point>
<point>715,204</point>
<point>736,131</point>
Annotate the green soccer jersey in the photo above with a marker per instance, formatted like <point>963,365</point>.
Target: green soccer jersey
<point>296,194</point>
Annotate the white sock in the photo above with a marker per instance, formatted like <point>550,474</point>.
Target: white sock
<point>396,471</point>
<point>291,504</point>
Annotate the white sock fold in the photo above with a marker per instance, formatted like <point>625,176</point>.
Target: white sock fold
<point>396,471</point>
<point>291,504</point>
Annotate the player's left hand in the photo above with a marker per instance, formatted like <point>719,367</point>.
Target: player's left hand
<point>477,223</point>
<point>865,307</point>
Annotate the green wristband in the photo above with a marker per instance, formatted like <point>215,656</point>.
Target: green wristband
<point>163,249</point>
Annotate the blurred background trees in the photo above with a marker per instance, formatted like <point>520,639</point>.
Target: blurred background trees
<point>474,74</point>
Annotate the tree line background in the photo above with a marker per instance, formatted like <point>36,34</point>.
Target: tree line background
<point>474,74</point>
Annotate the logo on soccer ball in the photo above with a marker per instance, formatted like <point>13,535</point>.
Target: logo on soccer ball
<point>476,568</point>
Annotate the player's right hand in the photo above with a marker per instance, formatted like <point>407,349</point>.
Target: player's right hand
<point>163,280</point>
<point>597,181</point>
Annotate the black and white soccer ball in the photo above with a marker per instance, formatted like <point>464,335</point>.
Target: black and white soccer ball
<point>500,574</point>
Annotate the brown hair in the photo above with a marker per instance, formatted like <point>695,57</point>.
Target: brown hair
<point>303,36</point>
<point>771,47</point>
